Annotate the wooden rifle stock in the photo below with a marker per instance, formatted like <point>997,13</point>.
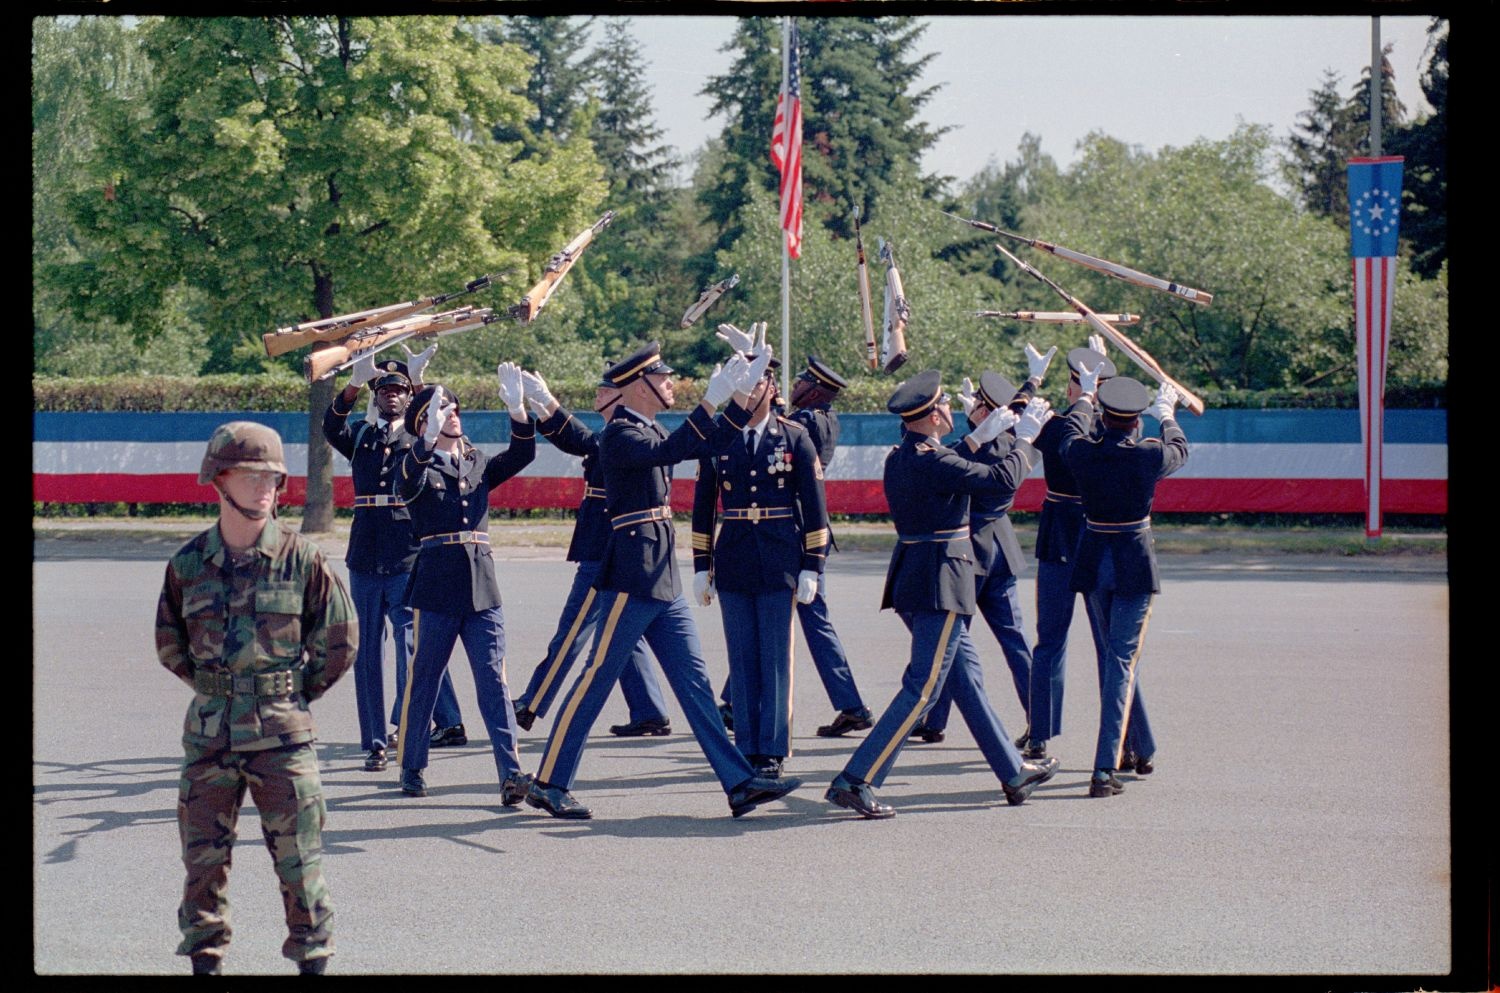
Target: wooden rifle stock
<point>897,313</point>
<point>526,309</point>
<point>328,358</point>
<point>332,329</point>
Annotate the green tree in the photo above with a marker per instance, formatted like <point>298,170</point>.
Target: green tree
<point>77,64</point>
<point>862,136</point>
<point>1205,216</point>
<point>1424,144</point>
<point>292,168</point>
<point>1319,148</point>
<point>559,79</point>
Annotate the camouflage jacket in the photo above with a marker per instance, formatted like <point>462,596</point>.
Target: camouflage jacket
<point>283,610</point>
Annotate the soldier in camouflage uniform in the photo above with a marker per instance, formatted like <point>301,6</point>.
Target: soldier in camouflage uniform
<point>254,620</point>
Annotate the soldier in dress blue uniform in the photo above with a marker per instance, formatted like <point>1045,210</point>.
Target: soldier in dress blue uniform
<point>1115,566</point>
<point>1059,527</point>
<point>580,615</point>
<point>382,548</point>
<point>812,407</point>
<point>812,399</point>
<point>770,552</point>
<point>998,558</point>
<point>446,483</point>
<point>638,586</point>
<point>930,583</point>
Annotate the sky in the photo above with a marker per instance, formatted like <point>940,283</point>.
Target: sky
<point>1147,81</point>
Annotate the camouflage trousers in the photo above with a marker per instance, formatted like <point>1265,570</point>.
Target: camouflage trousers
<point>285,786</point>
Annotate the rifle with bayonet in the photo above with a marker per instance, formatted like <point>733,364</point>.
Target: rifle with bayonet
<point>322,362</point>
<point>1108,268</point>
<point>1055,316</point>
<point>867,320</point>
<point>1137,354</point>
<point>526,309</point>
<point>708,298</point>
<point>897,312</point>
<point>335,329</point>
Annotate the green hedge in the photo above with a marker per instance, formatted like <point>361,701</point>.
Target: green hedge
<point>269,391</point>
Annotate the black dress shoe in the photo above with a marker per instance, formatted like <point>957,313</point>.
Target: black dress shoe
<point>1025,735</point>
<point>375,761</point>
<point>205,964</point>
<point>845,721</point>
<point>515,788</point>
<point>1034,750</point>
<point>1105,787</point>
<point>858,797</point>
<point>525,717</point>
<point>1031,775</point>
<point>726,714</point>
<point>654,727</point>
<point>927,734</point>
<point>412,783</point>
<point>1144,766</point>
<point>448,737</point>
<point>758,790</point>
<point>313,967</point>
<point>769,767</point>
<point>556,801</point>
<point>392,739</point>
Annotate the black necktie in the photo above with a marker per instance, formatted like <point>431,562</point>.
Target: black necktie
<point>749,442</point>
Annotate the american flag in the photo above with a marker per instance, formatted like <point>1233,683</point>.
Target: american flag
<point>1374,224</point>
<point>786,148</point>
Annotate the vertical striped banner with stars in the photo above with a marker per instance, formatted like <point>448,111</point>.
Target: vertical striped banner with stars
<point>1374,225</point>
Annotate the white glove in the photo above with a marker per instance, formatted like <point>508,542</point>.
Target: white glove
<point>721,384</point>
<point>1096,342</point>
<point>760,336</point>
<point>437,415</point>
<point>1163,403</point>
<point>967,398</point>
<point>1038,412</point>
<point>363,370</point>
<point>1037,363</point>
<point>536,389</point>
<point>807,586</point>
<point>737,339</point>
<point>989,429</point>
<point>757,367</point>
<point>417,364</point>
<point>703,588</point>
<point>1088,379</point>
<point>512,390</point>
<point>372,415</point>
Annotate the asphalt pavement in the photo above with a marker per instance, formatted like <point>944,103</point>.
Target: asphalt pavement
<point>1261,845</point>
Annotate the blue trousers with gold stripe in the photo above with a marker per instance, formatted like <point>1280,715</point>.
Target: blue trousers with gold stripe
<point>827,653</point>
<point>378,599</point>
<point>1000,606</point>
<point>483,634</point>
<point>758,634</point>
<point>667,626</point>
<point>580,616</point>
<point>1055,600</point>
<point>1121,629</point>
<point>940,651</point>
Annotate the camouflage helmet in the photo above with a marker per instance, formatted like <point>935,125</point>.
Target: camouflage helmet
<point>242,445</point>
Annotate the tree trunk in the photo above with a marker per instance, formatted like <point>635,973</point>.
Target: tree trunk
<point>317,515</point>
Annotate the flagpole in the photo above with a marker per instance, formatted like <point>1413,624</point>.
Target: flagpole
<point>786,256</point>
